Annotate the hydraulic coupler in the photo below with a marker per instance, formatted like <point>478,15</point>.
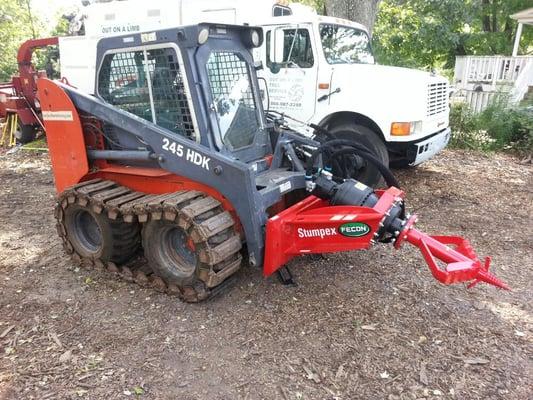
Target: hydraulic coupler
<point>461,263</point>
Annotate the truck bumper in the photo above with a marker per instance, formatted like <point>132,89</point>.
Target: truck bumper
<point>416,152</point>
<point>429,147</point>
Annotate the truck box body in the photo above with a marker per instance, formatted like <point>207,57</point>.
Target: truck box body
<point>375,95</point>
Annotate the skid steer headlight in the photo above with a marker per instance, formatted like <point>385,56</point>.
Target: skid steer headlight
<point>254,38</point>
<point>203,35</point>
<point>251,38</point>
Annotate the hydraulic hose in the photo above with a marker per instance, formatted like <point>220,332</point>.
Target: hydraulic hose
<point>325,149</point>
<point>332,156</point>
<point>390,179</point>
<point>353,148</point>
<point>324,131</point>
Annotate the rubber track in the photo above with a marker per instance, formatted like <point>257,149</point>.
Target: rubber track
<point>211,228</point>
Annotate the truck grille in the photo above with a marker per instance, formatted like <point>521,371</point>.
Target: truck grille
<point>437,98</point>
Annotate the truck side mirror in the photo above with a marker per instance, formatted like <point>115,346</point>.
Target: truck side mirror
<point>277,46</point>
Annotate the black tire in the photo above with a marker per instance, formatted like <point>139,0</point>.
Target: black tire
<point>368,174</point>
<point>166,249</point>
<point>26,133</point>
<point>197,251</point>
<point>95,236</point>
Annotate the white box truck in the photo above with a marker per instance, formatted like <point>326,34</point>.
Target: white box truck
<point>318,69</point>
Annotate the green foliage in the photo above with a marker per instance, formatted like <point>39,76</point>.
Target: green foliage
<point>37,145</point>
<point>509,127</point>
<point>416,33</point>
<point>430,33</point>
<point>498,127</point>
<point>138,391</point>
<point>47,59</point>
<point>466,132</point>
<point>318,5</point>
<point>15,28</point>
<point>61,28</point>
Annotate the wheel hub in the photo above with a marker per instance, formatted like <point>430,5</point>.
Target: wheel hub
<point>87,231</point>
<point>176,246</point>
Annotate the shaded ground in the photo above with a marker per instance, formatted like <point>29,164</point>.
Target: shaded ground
<point>366,325</point>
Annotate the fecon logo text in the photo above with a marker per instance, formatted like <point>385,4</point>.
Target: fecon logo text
<point>354,229</point>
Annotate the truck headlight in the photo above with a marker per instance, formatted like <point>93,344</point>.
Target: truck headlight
<point>404,128</point>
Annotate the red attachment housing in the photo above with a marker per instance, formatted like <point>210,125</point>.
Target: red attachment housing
<point>314,226</point>
<point>27,86</point>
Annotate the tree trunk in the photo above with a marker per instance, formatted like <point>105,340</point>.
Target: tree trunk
<point>362,11</point>
<point>494,16</point>
<point>486,15</point>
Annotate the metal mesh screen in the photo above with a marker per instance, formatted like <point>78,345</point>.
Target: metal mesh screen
<point>224,70</point>
<point>233,99</point>
<point>124,81</point>
<point>168,90</point>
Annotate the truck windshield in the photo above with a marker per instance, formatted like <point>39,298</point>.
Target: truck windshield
<point>345,45</point>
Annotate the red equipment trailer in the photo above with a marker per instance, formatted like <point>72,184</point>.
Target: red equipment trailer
<point>19,97</point>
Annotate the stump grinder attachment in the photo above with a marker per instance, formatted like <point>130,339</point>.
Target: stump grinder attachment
<point>173,173</point>
<point>351,216</point>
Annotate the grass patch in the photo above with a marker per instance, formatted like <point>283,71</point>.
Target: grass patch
<point>37,145</point>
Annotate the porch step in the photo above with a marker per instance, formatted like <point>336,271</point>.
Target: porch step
<point>528,97</point>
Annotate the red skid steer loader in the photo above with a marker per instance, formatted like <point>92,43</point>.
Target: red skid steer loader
<point>175,162</point>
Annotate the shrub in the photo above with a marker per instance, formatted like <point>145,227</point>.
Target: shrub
<point>499,127</point>
<point>510,127</point>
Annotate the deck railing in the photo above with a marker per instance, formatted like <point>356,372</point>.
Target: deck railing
<point>489,69</point>
<point>479,78</point>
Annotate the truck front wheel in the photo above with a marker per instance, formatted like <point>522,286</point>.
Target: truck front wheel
<point>362,170</point>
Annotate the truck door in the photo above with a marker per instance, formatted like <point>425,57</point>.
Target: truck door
<point>292,83</point>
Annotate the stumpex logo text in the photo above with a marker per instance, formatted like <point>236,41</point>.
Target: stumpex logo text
<point>321,232</point>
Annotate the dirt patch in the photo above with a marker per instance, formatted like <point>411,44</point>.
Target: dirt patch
<point>361,325</point>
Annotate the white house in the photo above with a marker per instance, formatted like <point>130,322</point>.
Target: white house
<point>478,79</point>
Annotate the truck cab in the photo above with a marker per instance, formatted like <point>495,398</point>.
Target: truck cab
<point>322,70</point>
<point>317,69</point>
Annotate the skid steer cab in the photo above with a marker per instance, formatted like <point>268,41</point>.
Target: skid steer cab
<point>173,173</point>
